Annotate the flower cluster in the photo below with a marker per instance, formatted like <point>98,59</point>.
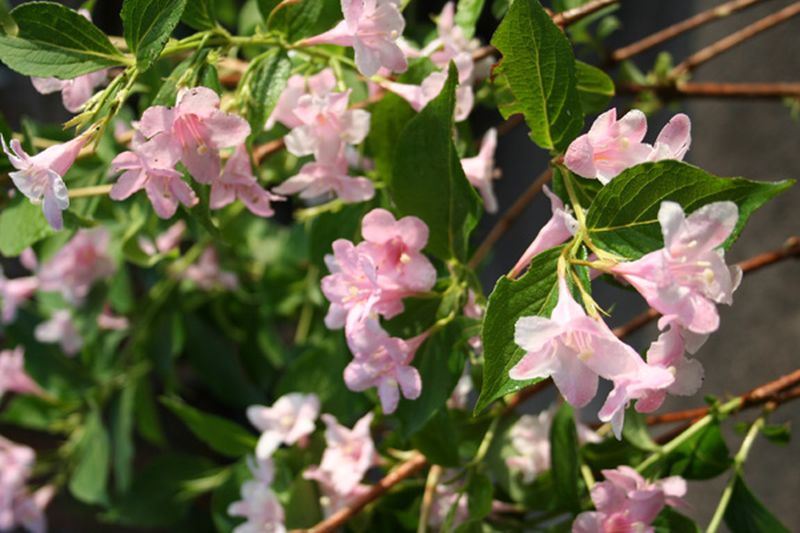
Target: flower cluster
<point>18,506</point>
<point>369,280</point>
<point>625,501</point>
<point>259,504</point>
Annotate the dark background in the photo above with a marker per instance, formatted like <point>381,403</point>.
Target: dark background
<point>759,337</point>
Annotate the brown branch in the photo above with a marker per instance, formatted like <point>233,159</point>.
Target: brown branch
<point>715,13</point>
<point>339,518</point>
<point>791,248</point>
<point>509,218</point>
<point>716,90</point>
<point>734,39</point>
<point>571,16</point>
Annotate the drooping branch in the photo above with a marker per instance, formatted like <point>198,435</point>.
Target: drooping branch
<point>716,90</point>
<point>736,38</point>
<point>715,13</point>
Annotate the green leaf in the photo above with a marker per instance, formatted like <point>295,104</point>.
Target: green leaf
<point>90,477</point>
<point>635,431</point>
<point>564,458</point>
<point>148,25</point>
<point>23,225</point>
<point>427,179</point>
<point>670,521</point>
<point>54,40</point>
<point>200,14</point>
<point>440,361</point>
<point>121,426</point>
<point>595,87</point>
<point>746,514</point>
<point>535,293</point>
<point>479,495</point>
<point>266,79</point>
<point>777,433</point>
<point>704,456</point>
<point>467,14</point>
<point>438,440</point>
<point>303,510</point>
<point>298,19</point>
<point>32,412</point>
<point>623,218</point>
<point>221,435</point>
<point>539,67</point>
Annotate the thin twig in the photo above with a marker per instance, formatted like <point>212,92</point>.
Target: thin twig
<point>427,498</point>
<point>405,470</point>
<point>510,217</point>
<point>715,49</point>
<point>791,248</point>
<point>716,90</point>
<point>97,190</point>
<point>670,32</point>
<point>571,16</point>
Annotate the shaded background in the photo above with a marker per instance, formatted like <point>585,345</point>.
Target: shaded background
<point>759,337</point>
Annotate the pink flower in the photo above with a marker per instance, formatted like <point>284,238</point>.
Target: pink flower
<point>109,321</point>
<point>451,44</point>
<point>169,240</point>
<point>348,455</point>
<point>685,279</point>
<point>151,166</point>
<point>331,500</point>
<point>290,419</point>
<point>419,96</point>
<point>317,179</point>
<point>207,274</point>
<point>575,350</point>
<point>260,507</point>
<point>237,181</point>
<point>198,128</point>
<point>29,508</point>
<point>612,145</point>
<point>318,85</point>
<point>326,124</point>
<point>385,363</point>
<point>13,292</point>
<point>460,397</point>
<point>561,226</point>
<point>41,177</point>
<point>625,501</point>
<point>16,464</point>
<point>447,496</point>
<point>480,170</point>
<point>60,329</point>
<point>13,377</point>
<point>372,28</point>
<point>78,265</point>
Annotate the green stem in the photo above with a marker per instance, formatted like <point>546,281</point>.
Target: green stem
<point>738,463</point>
<point>486,443</point>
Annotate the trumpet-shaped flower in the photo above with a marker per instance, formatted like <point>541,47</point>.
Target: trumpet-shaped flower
<point>685,279</point>
<point>237,181</point>
<point>29,508</point>
<point>73,270</point>
<point>13,377</point>
<point>318,85</point>
<point>331,500</point>
<point>60,329</point>
<point>561,226</point>
<point>372,28</point>
<point>260,506</point>
<point>613,145</point>
<point>480,170</point>
<point>13,292</point>
<point>151,166</point>
<point>625,501</point>
<point>16,464</point>
<point>320,178</point>
<point>419,96</point>
<point>349,453</point>
<point>290,419</point>
<point>207,274</point>
<point>169,240</point>
<point>198,129</point>
<point>41,177</point>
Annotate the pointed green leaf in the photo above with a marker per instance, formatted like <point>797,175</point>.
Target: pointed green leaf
<point>746,514</point>
<point>90,477</point>
<point>595,87</point>
<point>200,14</point>
<point>266,80</point>
<point>148,25</point>
<point>564,458</point>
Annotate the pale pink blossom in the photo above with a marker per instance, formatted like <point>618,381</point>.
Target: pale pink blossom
<point>41,177</point>
<point>319,85</point>
<point>445,497</point>
<point>625,501</point>
<point>317,179</point>
<point>207,274</point>
<point>291,418</point>
<point>331,500</point>
<point>372,28</point>
<point>419,96</point>
<point>530,438</point>
<point>109,321</point>
<point>169,240</point>
<point>384,362</point>
<point>13,377</point>
<point>151,166</point>
<point>260,506</point>
<point>459,399</point>
<point>73,270</point>
<point>561,226</point>
<point>16,465</point>
<point>326,125</point>
<point>612,145</point>
<point>452,45</point>
<point>687,278</point>
<point>238,181</point>
<point>60,329</point>
<point>29,509</point>
<point>13,293</point>
<point>198,129</point>
<point>575,350</point>
<point>349,453</point>
<point>74,92</point>
<point>480,170</point>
